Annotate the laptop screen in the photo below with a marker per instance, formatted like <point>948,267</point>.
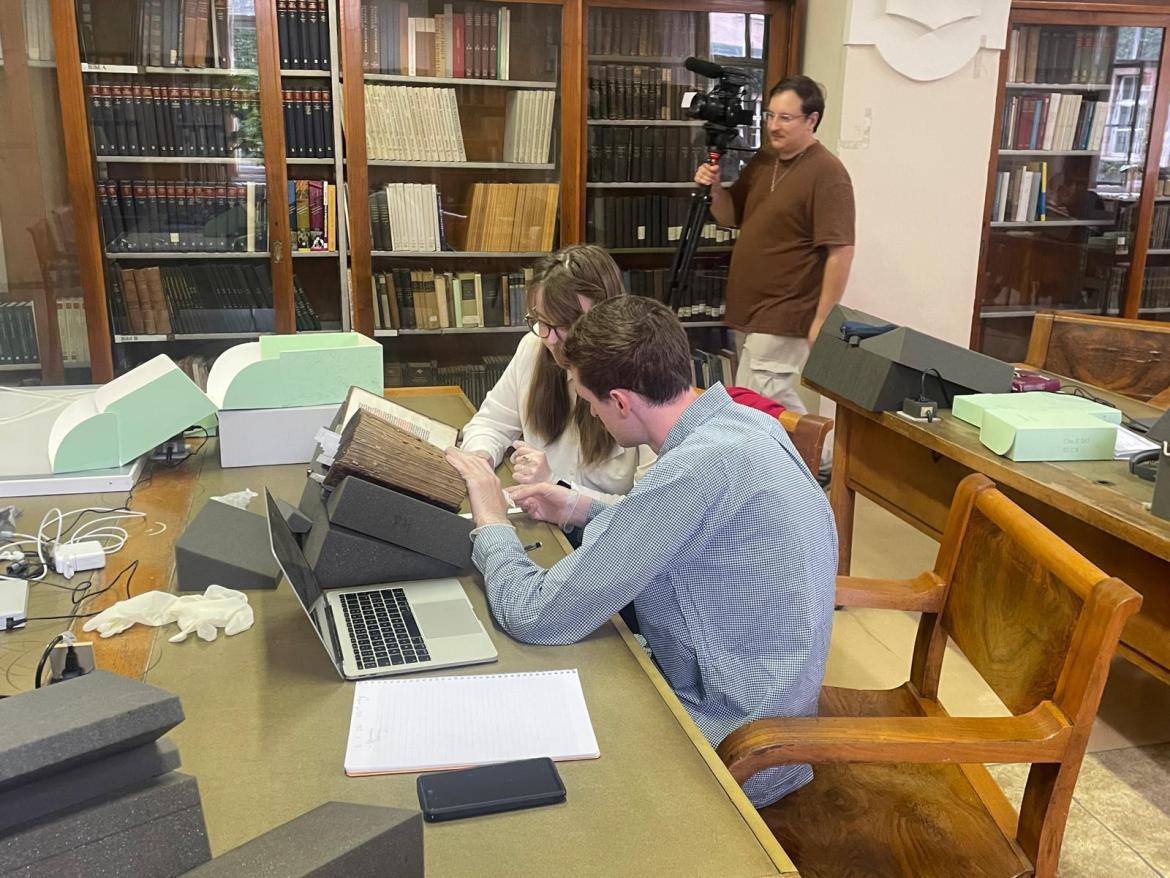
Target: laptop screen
<point>296,567</point>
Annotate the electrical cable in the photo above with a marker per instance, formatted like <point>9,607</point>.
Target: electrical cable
<point>941,386</point>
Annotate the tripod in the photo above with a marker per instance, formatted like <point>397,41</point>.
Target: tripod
<point>679,286</point>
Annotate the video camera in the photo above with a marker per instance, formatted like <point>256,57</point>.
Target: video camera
<point>727,106</point>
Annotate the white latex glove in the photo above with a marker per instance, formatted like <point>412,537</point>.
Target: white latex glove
<point>205,614</point>
<point>216,608</point>
<point>530,465</point>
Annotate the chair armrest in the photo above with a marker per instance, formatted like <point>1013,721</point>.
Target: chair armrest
<point>924,593</point>
<point>807,433</point>
<point>1041,735</point>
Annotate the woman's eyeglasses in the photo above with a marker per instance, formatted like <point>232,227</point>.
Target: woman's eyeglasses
<point>542,330</point>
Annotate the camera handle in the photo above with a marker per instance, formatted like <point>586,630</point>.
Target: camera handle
<point>680,270</point>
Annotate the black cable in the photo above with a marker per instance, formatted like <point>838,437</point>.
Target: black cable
<point>941,386</point>
<point>44,659</point>
<point>1126,421</point>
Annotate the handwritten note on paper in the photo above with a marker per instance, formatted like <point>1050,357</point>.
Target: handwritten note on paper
<point>434,723</point>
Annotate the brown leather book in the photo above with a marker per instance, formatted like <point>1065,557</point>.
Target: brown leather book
<point>380,452</point>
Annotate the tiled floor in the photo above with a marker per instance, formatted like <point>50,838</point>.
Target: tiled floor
<point>1119,824</point>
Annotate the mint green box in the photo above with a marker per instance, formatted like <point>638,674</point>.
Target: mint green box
<point>971,407</point>
<point>1046,434</point>
<point>291,371</point>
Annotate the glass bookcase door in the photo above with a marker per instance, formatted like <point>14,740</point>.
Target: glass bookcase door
<point>644,148</point>
<point>1074,133</point>
<point>173,97</point>
<point>462,113</point>
<point>1155,298</point>
<point>42,316</point>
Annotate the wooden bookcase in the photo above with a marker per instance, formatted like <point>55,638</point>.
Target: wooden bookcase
<point>549,52</point>
<point>1077,215</point>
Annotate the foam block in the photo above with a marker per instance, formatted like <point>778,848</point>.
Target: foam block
<point>298,522</point>
<point>225,546</point>
<point>99,779</point>
<point>77,722</point>
<point>267,437</point>
<point>388,515</point>
<point>156,829</point>
<point>340,557</point>
<point>335,840</point>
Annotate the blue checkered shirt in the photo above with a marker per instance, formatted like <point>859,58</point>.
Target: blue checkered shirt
<point>727,548</point>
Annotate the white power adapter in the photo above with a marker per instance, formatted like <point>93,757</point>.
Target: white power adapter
<point>70,558</point>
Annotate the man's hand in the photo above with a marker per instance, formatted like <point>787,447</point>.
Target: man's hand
<point>530,465</point>
<point>488,505</point>
<point>708,174</point>
<point>553,503</point>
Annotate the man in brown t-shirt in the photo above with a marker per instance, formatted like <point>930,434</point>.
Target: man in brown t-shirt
<point>793,205</point>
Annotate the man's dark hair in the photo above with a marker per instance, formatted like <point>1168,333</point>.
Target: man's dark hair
<point>630,343</point>
<point>812,98</point>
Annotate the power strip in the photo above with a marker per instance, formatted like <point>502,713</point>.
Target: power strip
<point>70,558</point>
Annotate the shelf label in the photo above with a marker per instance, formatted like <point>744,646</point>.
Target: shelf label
<point>134,338</point>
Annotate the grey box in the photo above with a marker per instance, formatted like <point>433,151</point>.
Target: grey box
<point>340,557</point>
<point>225,546</point>
<point>879,372</point>
<point>335,840</point>
<point>386,514</point>
<point>1161,503</point>
<point>98,779</point>
<point>78,721</point>
<point>156,830</point>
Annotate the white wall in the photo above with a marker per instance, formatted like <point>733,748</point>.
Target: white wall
<point>917,153</point>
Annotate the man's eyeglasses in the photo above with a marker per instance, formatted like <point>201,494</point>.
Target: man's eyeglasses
<point>542,330</point>
<point>783,118</point>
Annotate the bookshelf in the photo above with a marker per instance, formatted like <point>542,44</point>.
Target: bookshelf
<point>261,210</point>
<point>1073,217</point>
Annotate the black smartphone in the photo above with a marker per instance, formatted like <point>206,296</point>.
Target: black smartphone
<point>505,786</point>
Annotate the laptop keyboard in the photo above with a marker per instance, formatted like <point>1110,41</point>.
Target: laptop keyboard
<point>382,629</point>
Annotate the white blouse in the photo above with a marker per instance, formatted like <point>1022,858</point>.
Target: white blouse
<point>503,418</point>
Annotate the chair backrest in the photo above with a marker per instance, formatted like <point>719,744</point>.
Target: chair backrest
<point>807,433</point>
<point>1131,357</point>
<point>1037,621</point>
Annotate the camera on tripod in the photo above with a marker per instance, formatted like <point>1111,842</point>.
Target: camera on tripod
<point>726,106</point>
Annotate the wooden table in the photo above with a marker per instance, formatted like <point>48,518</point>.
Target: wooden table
<point>267,719</point>
<point>911,469</point>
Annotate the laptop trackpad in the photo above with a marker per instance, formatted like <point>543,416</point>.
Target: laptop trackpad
<point>452,618</point>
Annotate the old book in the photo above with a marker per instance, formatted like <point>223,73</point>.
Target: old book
<point>378,451</point>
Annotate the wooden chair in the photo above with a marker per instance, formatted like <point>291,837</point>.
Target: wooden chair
<point>899,787</point>
<point>1131,357</point>
<point>808,434</point>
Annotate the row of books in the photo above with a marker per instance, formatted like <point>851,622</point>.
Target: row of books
<point>1156,287</point>
<point>645,33</point>
<point>1061,54</point>
<point>182,33</point>
<point>227,297</point>
<point>167,120</point>
<point>528,126</point>
<point>38,31</point>
<point>476,379</point>
<point>703,297</point>
<point>708,368</point>
<point>623,154</point>
<point>18,334</point>
<point>183,215</point>
<point>407,216</point>
<point>312,214</point>
<point>308,123</point>
<point>1160,232</point>
<point>512,217</point>
<point>647,221</point>
<point>473,43</point>
<point>1053,121</point>
<point>632,91</point>
<point>1021,194</point>
<point>405,123</point>
<point>303,30</point>
<point>425,299</point>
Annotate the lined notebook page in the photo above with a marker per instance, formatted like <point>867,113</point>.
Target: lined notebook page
<point>432,723</point>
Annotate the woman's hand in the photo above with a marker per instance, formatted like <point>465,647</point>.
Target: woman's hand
<point>530,465</point>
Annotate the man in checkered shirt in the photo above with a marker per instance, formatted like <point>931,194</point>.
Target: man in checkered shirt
<point>727,546</point>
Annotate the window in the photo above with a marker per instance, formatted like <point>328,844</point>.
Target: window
<point>728,38</point>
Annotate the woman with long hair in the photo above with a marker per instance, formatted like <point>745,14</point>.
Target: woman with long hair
<point>534,407</point>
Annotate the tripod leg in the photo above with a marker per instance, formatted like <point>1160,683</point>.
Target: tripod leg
<point>680,272</point>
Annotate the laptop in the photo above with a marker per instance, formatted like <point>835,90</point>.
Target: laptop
<point>380,630</point>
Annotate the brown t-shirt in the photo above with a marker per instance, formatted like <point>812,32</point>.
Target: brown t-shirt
<point>774,284</point>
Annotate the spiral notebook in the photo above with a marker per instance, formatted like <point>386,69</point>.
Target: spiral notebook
<point>436,723</point>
